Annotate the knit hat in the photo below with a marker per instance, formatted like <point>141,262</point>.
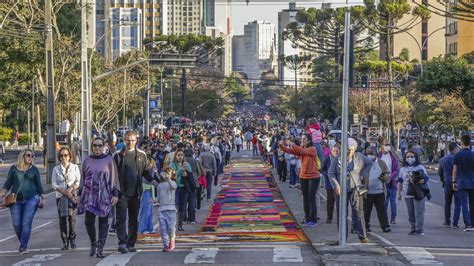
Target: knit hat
<point>352,143</point>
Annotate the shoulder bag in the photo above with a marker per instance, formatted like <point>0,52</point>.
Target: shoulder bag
<point>10,199</point>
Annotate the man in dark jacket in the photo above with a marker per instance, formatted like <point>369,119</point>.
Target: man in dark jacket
<point>132,165</point>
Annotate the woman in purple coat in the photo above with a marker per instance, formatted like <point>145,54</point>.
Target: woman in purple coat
<point>98,192</point>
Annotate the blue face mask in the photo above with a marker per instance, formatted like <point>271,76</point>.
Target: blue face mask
<point>410,161</point>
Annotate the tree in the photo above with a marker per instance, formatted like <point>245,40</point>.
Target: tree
<point>384,18</point>
<point>320,30</point>
<point>448,75</point>
<point>295,63</point>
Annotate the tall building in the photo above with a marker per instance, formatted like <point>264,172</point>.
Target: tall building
<point>127,37</point>
<point>238,53</point>
<point>426,39</point>
<point>459,36</point>
<point>185,17</point>
<point>260,49</point>
<point>217,19</point>
<point>115,17</point>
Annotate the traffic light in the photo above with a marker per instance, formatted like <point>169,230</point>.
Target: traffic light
<point>351,58</point>
<point>364,82</point>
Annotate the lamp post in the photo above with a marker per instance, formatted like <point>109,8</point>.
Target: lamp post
<point>50,114</point>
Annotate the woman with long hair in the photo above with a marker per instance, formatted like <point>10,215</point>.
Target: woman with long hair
<point>309,175</point>
<point>98,192</point>
<point>183,170</point>
<point>23,179</point>
<point>65,181</point>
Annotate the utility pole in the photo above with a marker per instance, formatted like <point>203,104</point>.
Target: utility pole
<point>147,104</point>
<point>161,95</point>
<point>50,123</point>
<point>183,89</point>
<point>345,116</point>
<point>85,97</point>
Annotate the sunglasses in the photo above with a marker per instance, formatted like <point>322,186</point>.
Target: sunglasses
<point>410,156</point>
<point>29,155</point>
<point>64,155</point>
<point>97,145</point>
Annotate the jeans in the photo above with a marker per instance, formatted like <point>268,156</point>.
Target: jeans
<point>377,200</point>
<point>209,185</point>
<point>357,213</point>
<point>293,176</point>
<point>191,204</point>
<point>132,206</point>
<point>90,227</point>
<point>255,150</point>
<point>449,194</point>
<point>167,220</point>
<point>274,161</point>
<point>392,199</point>
<point>145,223</point>
<point>467,203</point>
<point>331,200</point>
<point>22,214</point>
<point>181,201</point>
<point>65,223</point>
<point>416,213</point>
<point>309,188</point>
<point>320,151</point>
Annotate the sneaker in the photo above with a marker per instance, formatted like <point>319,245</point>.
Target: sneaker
<point>387,230</point>
<point>310,224</point>
<point>364,240</point>
<point>172,245</point>
<point>122,249</point>
<point>23,251</point>
<point>393,221</point>
<point>166,249</point>
<point>132,249</point>
<point>112,231</point>
<point>412,233</point>
<point>420,233</point>
<point>447,225</point>
<point>468,229</point>
<point>193,222</point>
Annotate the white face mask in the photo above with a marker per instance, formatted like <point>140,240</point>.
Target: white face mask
<point>332,143</point>
<point>410,161</point>
<point>387,148</point>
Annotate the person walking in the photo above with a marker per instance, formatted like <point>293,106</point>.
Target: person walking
<point>358,168</point>
<point>24,181</point>
<point>281,167</point>
<point>331,199</point>
<point>145,220</point>
<point>309,176</point>
<point>411,174</point>
<point>463,177</point>
<point>183,171</point>
<point>248,139</point>
<point>132,165</point>
<point>65,181</point>
<point>445,172</point>
<point>191,201</point>
<point>98,192</point>
<point>167,208</point>
<point>209,164</point>
<point>390,157</point>
<point>379,175</point>
<point>255,145</point>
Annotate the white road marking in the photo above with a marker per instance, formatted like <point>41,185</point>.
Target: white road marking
<point>156,226</point>
<point>37,259</point>
<point>117,259</point>
<point>287,254</point>
<point>202,255</point>
<point>13,236</point>
<point>417,255</point>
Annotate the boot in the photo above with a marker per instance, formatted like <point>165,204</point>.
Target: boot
<point>103,230</point>
<point>65,245</point>
<point>93,249</point>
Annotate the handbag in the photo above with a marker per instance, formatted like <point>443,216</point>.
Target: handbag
<point>202,181</point>
<point>10,199</point>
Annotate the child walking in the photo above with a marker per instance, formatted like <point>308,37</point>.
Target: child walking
<point>167,208</point>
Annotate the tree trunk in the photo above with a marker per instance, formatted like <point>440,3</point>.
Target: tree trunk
<point>37,118</point>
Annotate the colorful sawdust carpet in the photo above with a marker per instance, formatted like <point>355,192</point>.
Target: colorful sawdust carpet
<point>248,208</point>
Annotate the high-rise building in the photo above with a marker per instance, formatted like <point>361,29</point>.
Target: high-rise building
<point>459,36</point>
<point>217,19</point>
<point>238,53</point>
<point>425,39</point>
<point>126,37</point>
<point>260,49</point>
<point>149,22</point>
<point>185,17</point>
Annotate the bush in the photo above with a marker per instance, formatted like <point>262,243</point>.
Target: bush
<point>23,139</point>
<point>6,134</point>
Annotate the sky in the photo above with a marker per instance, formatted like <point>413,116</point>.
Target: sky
<point>268,10</point>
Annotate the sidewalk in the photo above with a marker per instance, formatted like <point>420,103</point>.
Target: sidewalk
<point>324,236</point>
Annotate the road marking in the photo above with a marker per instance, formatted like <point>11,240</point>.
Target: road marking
<point>36,259</point>
<point>202,255</point>
<point>418,256</point>
<point>38,227</point>
<point>287,254</point>
<point>117,259</point>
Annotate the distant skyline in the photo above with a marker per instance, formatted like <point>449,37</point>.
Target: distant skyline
<point>268,10</point>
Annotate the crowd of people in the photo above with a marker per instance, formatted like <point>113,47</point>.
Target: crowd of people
<point>176,169</point>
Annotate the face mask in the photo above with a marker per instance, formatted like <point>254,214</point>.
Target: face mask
<point>332,142</point>
<point>372,157</point>
<point>410,161</point>
<point>387,148</point>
